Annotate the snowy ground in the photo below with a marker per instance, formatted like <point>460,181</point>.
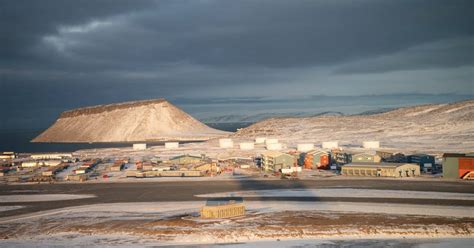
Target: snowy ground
<point>9,208</point>
<point>121,241</point>
<point>346,192</point>
<point>176,223</point>
<point>41,197</point>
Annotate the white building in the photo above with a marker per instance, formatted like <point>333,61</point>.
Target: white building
<point>50,162</point>
<point>305,147</point>
<point>371,144</point>
<point>330,144</point>
<point>139,146</point>
<point>51,155</point>
<point>274,146</point>
<point>29,164</point>
<point>271,141</point>
<point>246,146</point>
<point>171,145</point>
<point>226,143</point>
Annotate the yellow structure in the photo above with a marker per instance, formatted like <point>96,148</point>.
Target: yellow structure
<point>187,159</point>
<point>229,210</point>
<point>206,167</point>
<point>7,155</point>
<point>29,164</point>
<point>381,169</point>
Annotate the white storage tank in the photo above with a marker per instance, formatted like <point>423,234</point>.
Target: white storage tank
<point>260,140</point>
<point>271,141</point>
<point>139,146</point>
<point>305,147</point>
<point>226,143</point>
<point>274,146</point>
<point>371,144</point>
<point>247,146</point>
<point>171,145</point>
<point>330,144</point>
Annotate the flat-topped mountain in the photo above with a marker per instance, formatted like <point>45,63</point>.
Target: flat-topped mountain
<point>149,120</point>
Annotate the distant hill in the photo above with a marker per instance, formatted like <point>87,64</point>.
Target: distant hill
<point>149,120</point>
<point>432,127</point>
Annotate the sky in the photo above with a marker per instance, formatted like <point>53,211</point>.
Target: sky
<point>61,54</point>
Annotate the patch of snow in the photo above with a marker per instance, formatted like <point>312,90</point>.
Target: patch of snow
<point>458,108</point>
<point>166,209</point>
<point>424,111</point>
<point>9,208</point>
<point>42,197</point>
<point>345,192</point>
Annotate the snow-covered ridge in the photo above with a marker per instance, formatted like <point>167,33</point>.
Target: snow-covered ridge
<point>423,128</point>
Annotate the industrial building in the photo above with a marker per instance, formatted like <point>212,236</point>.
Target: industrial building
<point>458,166</point>
<point>339,157</point>
<point>7,155</point>
<point>187,159</point>
<point>425,161</point>
<point>384,154</point>
<point>381,169</point>
<point>317,159</point>
<point>207,167</point>
<point>396,158</point>
<point>275,160</point>
<point>51,155</point>
<point>164,173</point>
<point>366,158</point>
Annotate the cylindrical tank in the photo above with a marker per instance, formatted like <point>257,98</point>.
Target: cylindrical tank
<point>274,146</point>
<point>226,143</point>
<point>330,144</point>
<point>246,146</point>
<point>371,144</point>
<point>260,140</point>
<point>305,147</point>
<point>271,141</point>
<point>171,145</point>
<point>141,146</point>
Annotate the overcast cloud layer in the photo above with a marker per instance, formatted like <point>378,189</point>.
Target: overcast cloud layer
<point>75,53</point>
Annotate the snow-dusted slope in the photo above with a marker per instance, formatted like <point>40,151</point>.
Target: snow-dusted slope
<point>433,127</point>
<point>150,120</point>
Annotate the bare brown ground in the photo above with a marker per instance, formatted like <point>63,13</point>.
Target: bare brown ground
<point>289,224</point>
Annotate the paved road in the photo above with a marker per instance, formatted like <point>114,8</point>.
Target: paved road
<point>185,191</point>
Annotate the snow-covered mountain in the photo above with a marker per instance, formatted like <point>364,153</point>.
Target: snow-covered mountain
<point>149,120</point>
<point>432,127</point>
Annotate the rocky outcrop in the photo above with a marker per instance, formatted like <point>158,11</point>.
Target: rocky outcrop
<point>149,120</point>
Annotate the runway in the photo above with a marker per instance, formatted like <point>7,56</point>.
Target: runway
<point>187,191</point>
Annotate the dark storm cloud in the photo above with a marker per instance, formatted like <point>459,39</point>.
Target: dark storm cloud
<point>448,53</point>
<point>61,54</point>
<point>24,22</point>
<point>223,33</point>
